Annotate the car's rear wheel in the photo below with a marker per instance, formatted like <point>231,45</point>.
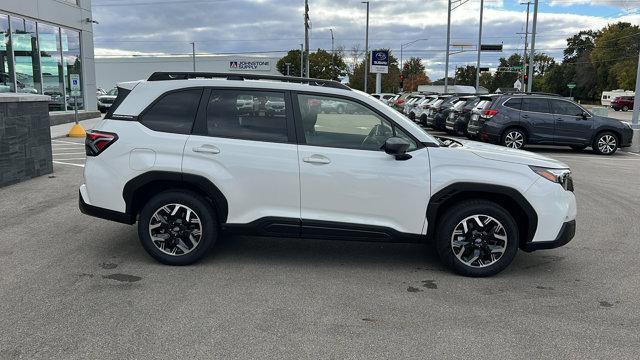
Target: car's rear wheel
<point>625,108</point>
<point>177,228</point>
<point>477,238</point>
<point>514,138</point>
<point>412,116</point>
<point>605,143</point>
<point>423,120</point>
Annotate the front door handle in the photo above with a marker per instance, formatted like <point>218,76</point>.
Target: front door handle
<point>316,159</point>
<point>207,149</point>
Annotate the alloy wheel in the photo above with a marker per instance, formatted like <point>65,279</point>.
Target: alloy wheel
<point>175,229</point>
<point>607,144</point>
<point>514,139</point>
<point>479,241</point>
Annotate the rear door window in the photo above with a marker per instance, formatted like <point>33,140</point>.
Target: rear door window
<point>173,112</point>
<point>540,105</point>
<point>514,103</point>
<point>565,108</point>
<point>248,115</point>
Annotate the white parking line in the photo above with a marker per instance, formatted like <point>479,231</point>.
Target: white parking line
<point>67,142</point>
<point>69,153</point>
<point>70,159</point>
<point>66,163</point>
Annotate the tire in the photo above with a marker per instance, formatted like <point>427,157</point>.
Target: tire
<point>625,108</point>
<point>423,120</point>
<point>191,251</point>
<point>616,109</point>
<point>514,138</point>
<point>102,110</point>
<point>578,147</point>
<point>412,116</point>
<point>454,251</point>
<point>605,143</point>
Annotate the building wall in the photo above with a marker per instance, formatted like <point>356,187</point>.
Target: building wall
<point>70,14</point>
<point>111,71</point>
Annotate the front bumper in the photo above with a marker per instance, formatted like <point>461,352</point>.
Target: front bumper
<point>627,137</point>
<point>567,232</point>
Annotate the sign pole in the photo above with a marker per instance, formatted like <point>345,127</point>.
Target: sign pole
<point>378,83</point>
<point>76,130</point>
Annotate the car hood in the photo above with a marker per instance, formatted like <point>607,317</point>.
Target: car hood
<point>106,97</point>
<point>505,154</point>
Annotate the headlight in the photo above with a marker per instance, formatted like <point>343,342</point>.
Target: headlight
<point>559,176</point>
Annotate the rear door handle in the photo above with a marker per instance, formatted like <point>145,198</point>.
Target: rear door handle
<point>316,159</point>
<point>207,149</point>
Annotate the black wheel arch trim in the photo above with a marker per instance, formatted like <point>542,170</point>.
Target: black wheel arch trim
<point>454,192</point>
<point>198,182</point>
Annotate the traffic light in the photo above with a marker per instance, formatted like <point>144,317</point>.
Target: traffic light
<point>401,80</point>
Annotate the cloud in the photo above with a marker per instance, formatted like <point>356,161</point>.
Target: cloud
<point>273,27</point>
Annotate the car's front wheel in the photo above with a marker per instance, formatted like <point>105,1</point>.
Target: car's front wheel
<point>514,138</point>
<point>605,143</point>
<point>477,238</point>
<point>177,228</point>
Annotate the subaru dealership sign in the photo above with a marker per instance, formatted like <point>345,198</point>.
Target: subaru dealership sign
<point>380,61</point>
<point>249,65</point>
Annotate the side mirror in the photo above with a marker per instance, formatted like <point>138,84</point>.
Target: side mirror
<point>583,115</point>
<point>397,147</point>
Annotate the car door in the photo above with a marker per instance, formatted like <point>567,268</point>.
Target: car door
<point>249,153</point>
<point>571,126</point>
<point>348,185</point>
<point>538,120</point>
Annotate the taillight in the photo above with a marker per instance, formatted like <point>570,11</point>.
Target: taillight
<point>488,114</point>
<point>98,141</point>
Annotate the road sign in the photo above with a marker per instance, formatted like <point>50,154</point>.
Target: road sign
<point>487,47</point>
<point>75,82</point>
<point>380,62</point>
<point>571,85</point>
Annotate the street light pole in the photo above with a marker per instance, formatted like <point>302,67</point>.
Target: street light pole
<point>446,62</point>
<point>366,51</point>
<point>193,52</point>
<point>636,105</point>
<point>533,45</point>
<point>333,63</point>
<point>479,47</point>
<point>306,36</point>
<point>301,60</point>
<point>526,44</point>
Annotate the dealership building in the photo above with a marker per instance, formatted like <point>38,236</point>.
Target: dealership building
<point>113,70</point>
<point>43,45</point>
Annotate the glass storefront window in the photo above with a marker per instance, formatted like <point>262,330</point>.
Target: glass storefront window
<point>25,55</point>
<point>72,65</point>
<point>51,63</point>
<point>6,63</point>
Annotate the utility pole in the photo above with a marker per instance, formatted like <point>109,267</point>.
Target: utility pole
<point>301,60</point>
<point>479,47</point>
<point>636,108</point>
<point>193,52</point>
<point>446,62</point>
<point>333,56</point>
<point>306,36</point>
<point>526,44</point>
<point>366,50</point>
<point>533,45</point>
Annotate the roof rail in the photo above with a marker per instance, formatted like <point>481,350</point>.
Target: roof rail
<point>529,93</point>
<point>163,75</point>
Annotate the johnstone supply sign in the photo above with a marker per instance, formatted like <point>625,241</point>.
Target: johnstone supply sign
<point>380,62</point>
<point>250,65</point>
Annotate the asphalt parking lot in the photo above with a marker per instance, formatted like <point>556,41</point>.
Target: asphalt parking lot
<point>75,287</point>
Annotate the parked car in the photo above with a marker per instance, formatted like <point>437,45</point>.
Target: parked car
<point>410,105</point>
<point>434,117</point>
<point>459,118</point>
<point>105,101</point>
<point>624,103</point>
<point>188,168</point>
<point>473,126</point>
<point>384,97</point>
<point>515,120</point>
<point>422,108</point>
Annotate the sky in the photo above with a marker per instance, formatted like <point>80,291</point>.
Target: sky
<point>271,27</point>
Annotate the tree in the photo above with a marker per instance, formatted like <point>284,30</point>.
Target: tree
<point>503,77</point>
<point>615,56</point>
<point>465,76</point>
<point>414,74</point>
<point>322,65</point>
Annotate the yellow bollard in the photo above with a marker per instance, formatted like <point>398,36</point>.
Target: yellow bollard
<point>77,131</point>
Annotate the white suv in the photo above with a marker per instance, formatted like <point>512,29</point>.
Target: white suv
<point>181,155</point>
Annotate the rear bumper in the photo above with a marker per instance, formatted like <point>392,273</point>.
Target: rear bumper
<point>567,232</point>
<point>103,213</point>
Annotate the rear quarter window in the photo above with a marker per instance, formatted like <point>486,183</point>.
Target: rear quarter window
<point>173,112</point>
<point>514,103</point>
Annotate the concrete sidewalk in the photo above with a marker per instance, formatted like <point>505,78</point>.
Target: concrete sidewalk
<point>58,131</point>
